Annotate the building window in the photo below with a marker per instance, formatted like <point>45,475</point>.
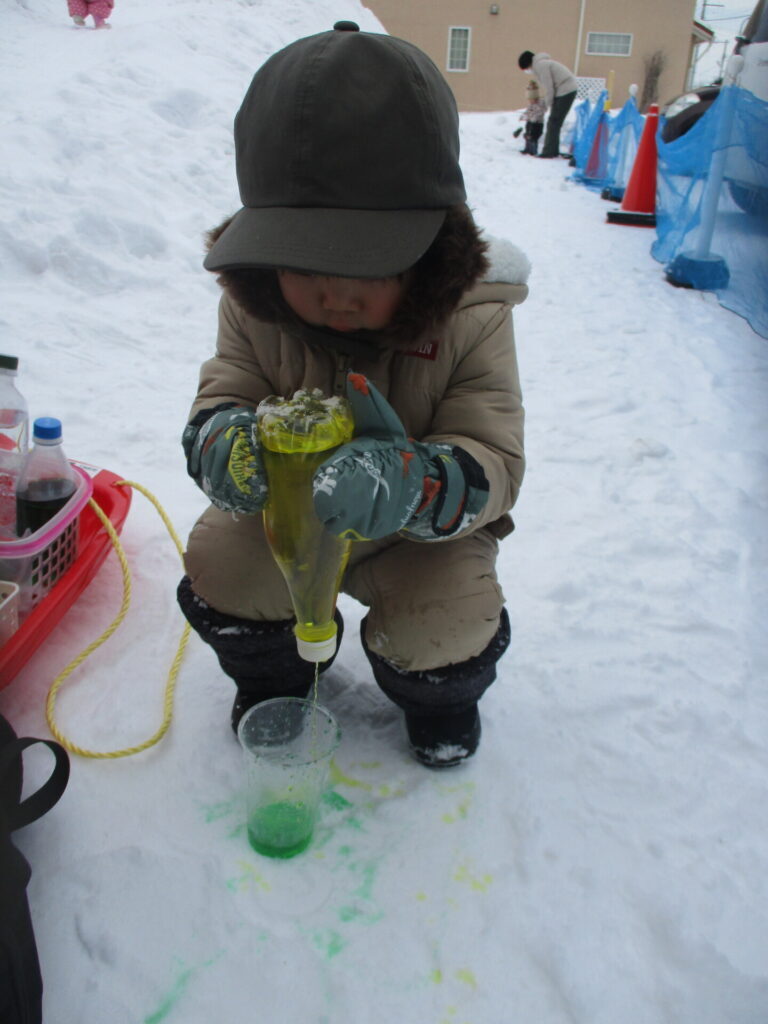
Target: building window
<point>458,48</point>
<point>609,44</point>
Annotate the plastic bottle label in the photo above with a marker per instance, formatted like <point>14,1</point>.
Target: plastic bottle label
<point>13,430</point>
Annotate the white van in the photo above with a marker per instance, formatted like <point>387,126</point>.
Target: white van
<point>747,68</point>
<point>752,46</point>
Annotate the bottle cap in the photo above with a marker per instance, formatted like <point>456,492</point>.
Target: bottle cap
<point>9,362</point>
<point>316,650</point>
<point>46,428</point>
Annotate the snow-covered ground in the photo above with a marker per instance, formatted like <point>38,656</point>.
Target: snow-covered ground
<point>604,857</point>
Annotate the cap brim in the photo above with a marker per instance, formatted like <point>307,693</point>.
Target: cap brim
<point>346,243</point>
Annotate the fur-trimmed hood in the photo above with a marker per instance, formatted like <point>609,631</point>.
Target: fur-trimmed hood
<point>505,279</point>
<point>456,263</point>
<point>507,263</point>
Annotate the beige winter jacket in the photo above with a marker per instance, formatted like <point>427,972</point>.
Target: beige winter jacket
<point>553,77</point>
<point>460,386</point>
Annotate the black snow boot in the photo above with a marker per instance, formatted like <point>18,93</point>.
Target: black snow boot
<point>440,705</point>
<point>261,657</point>
<point>443,741</point>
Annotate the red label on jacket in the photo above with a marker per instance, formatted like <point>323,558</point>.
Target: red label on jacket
<point>426,351</point>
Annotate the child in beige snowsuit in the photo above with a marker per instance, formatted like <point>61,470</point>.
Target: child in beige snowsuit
<point>355,263</point>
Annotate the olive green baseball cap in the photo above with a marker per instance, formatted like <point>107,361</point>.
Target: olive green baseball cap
<point>347,155</point>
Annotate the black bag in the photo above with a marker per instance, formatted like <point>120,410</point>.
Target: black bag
<point>21,986</point>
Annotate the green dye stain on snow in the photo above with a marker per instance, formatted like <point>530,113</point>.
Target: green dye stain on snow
<point>460,813</point>
<point>466,874</point>
<point>178,990</point>
<point>362,909</point>
<point>362,915</point>
<point>339,778</point>
<point>335,800</point>
<point>330,942</point>
<point>222,809</point>
<point>250,880</point>
<point>369,877</point>
<point>169,1001</point>
<point>465,793</point>
<point>464,974</point>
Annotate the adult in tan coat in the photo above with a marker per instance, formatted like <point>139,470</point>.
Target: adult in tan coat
<point>405,299</point>
<point>559,86</point>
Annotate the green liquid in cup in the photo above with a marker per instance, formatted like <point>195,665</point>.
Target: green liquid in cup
<point>281,830</point>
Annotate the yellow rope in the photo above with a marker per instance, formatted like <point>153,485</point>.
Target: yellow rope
<point>170,685</point>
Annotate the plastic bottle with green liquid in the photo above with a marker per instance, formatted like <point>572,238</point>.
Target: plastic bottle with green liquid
<point>298,434</point>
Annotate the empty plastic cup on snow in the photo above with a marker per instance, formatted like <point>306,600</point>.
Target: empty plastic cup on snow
<point>288,745</point>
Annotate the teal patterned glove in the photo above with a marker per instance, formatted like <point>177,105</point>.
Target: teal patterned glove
<point>382,482</point>
<point>224,458</point>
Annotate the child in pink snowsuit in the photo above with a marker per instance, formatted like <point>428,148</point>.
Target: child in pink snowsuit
<point>99,10</point>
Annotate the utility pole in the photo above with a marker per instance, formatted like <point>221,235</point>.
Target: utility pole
<point>704,5</point>
<point>697,55</point>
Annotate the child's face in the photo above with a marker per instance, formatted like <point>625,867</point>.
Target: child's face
<point>342,303</point>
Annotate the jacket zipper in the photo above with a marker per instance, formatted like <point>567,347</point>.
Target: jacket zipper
<point>343,363</point>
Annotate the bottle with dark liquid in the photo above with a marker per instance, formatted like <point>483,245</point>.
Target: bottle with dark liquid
<point>47,481</point>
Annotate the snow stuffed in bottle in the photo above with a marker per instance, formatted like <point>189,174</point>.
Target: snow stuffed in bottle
<point>297,435</point>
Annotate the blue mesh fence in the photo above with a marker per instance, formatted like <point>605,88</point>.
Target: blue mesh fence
<point>623,140</point>
<point>712,205</point>
<point>587,122</point>
<point>606,147</point>
<point>594,170</point>
<point>577,125</point>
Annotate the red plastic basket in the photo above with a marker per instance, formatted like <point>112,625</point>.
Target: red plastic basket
<point>94,545</point>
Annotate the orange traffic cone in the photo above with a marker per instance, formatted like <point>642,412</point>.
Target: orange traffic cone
<point>639,204</point>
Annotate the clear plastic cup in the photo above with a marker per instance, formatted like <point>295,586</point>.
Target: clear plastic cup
<point>288,744</point>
